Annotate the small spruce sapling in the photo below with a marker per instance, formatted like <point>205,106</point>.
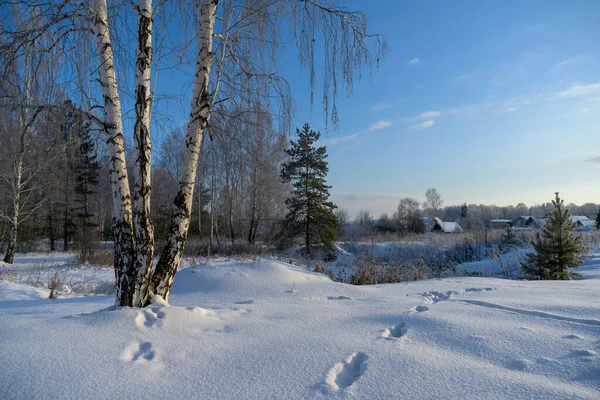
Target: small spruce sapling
<point>557,248</point>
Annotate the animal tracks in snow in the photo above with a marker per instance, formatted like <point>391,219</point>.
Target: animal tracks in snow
<point>138,352</point>
<point>344,374</point>
<point>572,337</point>
<point>582,353</point>
<point>149,317</point>
<point>395,332</point>
<point>338,298</point>
<point>433,296</point>
<point>244,302</point>
<point>539,314</point>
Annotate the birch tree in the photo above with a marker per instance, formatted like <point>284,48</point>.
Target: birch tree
<point>234,56</point>
<point>26,83</point>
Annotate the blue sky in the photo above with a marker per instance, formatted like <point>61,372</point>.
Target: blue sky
<point>489,102</point>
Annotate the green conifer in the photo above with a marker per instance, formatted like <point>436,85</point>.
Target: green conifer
<point>557,248</point>
<point>310,211</point>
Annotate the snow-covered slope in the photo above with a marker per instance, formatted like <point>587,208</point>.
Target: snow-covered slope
<point>270,330</point>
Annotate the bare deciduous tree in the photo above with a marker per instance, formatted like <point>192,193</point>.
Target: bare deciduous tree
<point>233,63</point>
<point>433,202</point>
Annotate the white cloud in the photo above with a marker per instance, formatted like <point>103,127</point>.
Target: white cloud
<point>580,90</point>
<point>423,125</point>
<point>565,62</point>
<point>351,138</point>
<point>429,115</point>
<point>381,106</point>
<point>593,160</point>
<point>415,61</point>
<point>343,139</point>
<point>380,125</point>
<point>461,78</point>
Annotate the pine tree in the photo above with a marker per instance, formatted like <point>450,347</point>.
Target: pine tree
<point>598,219</point>
<point>463,210</point>
<point>557,248</point>
<point>86,174</point>
<point>509,238</point>
<point>537,263</point>
<point>310,211</point>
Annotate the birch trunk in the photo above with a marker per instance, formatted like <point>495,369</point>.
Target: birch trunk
<point>199,211</point>
<point>14,222</point>
<point>51,226</point>
<point>251,230</point>
<point>200,111</point>
<point>67,221</point>
<point>113,126</point>
<point>212,212</point>
<point>142,189</point>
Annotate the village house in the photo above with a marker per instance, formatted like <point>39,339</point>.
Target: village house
<point>583,223</point>
<point>528,222</point>
<point>437,225</point>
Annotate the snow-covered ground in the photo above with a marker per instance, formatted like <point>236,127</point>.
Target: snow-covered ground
<point>268,329</point>
<point>39,269</point>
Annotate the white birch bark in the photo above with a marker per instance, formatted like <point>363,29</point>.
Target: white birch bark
<point>200,111</point>
<point>14,221</point>
<point>113,126</point>
<point>143,228</point>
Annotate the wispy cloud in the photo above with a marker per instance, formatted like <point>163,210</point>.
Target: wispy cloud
<point>381,106</point>
<point>343,139</point>
<point>461,78</point>
<point>429,114</point>
<point>564,62</point>
<point>380,125</point>
<point>353,137</point>
<point>593,161</point>
<point>415,61</point>
<point>580,91</point>
<point>423,125</point>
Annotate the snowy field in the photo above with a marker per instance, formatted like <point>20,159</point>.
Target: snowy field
<point>267,329</point>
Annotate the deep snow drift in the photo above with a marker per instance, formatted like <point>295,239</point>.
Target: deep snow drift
<point>271,330</point>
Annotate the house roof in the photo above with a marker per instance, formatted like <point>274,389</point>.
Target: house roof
<point>586,223</point>
<point>575,218</point>
<point>448,227</point>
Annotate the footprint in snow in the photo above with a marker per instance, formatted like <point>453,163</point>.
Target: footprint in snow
<point>138,352</point>
<point>149,317</point>
<point>526,328</point>
<point>434,296</point>
<point>582,353</point>
<point>487,289</point>
<point>572,337</point>
<point>338,298</point>
<point>421,308</point>
<point>344,374</point>
<point>395,332</point>
<point>518,365</point>
<point>244,302</point>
